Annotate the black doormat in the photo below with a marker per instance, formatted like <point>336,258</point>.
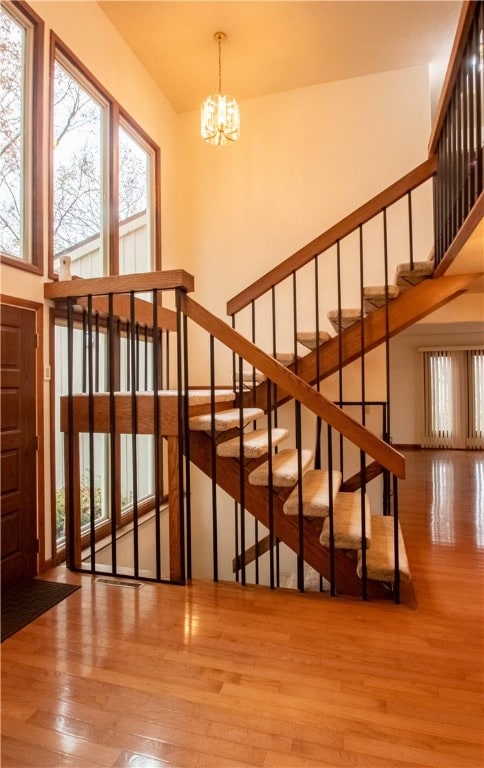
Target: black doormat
<point>24,603</point>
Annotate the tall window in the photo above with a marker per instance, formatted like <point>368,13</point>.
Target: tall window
<point>453,398</point>
<point>105,187</point>
<point>79,121</point>
<point>104,175</point>
<point>21,39</point>
<point>135,203</point>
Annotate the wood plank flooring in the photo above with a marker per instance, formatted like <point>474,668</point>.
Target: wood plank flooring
<point>224,676</point>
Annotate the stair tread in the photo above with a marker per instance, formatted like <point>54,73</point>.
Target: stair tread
<point>347,533</point>
<point>249,377</point>
<point>345,318</point>
<point>309,338</point>
<point>284,468</point>
<point>380,557</point>
<point>379,290</point>
<point>349,313</point>
<point>285,358</point>
<point>406,276</point>
<point>256,443</point>
<point>224,420</point>
<point>315,493</point>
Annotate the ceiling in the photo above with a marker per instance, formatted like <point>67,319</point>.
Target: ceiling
<point>278,45</point>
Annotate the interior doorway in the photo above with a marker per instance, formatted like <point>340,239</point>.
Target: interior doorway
<point>19,444</point>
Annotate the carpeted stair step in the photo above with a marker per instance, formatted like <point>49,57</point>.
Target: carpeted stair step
<point>375,296</point>
<point>309,339</point>
<point>224,420</point>
<point>256,443</point>
<point>405,276</point>
<point>347,532</point>
<point>249,378</point>
<point>345,319</point>
<point>285,358</point>
<point>284,468</point>
<point>315,494</point>
<point>380,557</point>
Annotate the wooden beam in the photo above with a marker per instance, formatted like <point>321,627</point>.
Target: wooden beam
<point>176,574</point>
<point>252,553</point>
<point>471,222</point>
<point>100,286</point>
<point>355,482</point>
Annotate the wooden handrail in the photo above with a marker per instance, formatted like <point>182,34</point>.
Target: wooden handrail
<point>100,286</point>
<point>455,60</point>
<point>361,215</point>
<point>288,382</point>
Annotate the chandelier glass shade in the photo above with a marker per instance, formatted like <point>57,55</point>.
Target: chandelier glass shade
<point>220,116</point>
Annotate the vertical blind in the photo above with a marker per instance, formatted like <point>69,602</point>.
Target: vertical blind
<point>453,398</point>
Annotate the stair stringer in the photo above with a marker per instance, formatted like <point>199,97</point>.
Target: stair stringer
<point>404,311</point>
<point>286,528</point>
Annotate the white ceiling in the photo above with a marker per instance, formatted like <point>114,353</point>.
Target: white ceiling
<point>278,45</point>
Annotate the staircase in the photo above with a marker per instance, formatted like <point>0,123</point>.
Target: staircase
<point>332,515</point>
<point>307,499</point>
<point>341,520</point>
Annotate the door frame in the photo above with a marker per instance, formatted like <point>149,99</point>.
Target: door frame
<point>43,562</point>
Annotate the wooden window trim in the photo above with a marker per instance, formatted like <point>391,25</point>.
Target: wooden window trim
<point>115,114</point>
<point>35,182</point>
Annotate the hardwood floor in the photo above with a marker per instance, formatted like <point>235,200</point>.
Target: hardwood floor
<point>222,676</point>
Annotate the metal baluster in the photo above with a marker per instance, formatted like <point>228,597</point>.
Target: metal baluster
<point>270,489</point>
<point>395,539</point>
<point>131,342</point>
<point>242,475</point>
<point>300,556</point>
<point>156,436</point>
<point>213,453</point>
<point>364,581</point>
<point>113,374</point>
<point>69,507</point>
<point>332,570</point>
<point>317,455</point>
<point>90,381</point>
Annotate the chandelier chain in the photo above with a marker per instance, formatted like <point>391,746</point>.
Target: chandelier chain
<point>219,38</point>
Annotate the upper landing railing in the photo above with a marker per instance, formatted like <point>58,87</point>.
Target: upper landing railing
<point>458,134</point>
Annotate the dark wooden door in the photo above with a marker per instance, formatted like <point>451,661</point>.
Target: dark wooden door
<point>18,447</point>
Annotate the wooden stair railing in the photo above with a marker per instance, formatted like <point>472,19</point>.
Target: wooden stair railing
<point>296,388</point>
<point>331,236</point>
<point>403,312</point>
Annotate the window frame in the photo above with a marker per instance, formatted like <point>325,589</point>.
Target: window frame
<point>116,117</point>
<point>32,183</point>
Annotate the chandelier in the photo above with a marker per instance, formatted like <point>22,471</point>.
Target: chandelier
<point>220,119</point>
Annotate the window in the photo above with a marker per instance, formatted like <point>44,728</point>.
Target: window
<point>79,120</point>
<point>454,398</point>
<point>135,204</point>
<point>104,218</point>
<point>105,178</point>
<point>21,43</point>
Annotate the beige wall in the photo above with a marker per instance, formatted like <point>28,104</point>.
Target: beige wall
<point>305,159</point>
